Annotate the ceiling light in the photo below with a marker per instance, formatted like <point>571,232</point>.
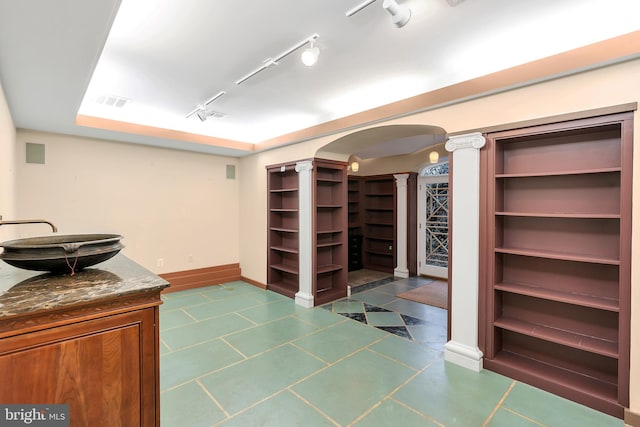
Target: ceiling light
<point>310,55</point>
<point>202,115</point>
<point>399,14</point>
<point>434,156</point>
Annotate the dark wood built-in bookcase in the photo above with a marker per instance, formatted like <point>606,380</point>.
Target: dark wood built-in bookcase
<point>355,224</point>
<point>379,222</point>
<point>330,230</point>
<point>283,228</point>
<point>556,272</point>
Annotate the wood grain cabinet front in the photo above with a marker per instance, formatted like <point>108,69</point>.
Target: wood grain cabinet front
<point>104,368</point>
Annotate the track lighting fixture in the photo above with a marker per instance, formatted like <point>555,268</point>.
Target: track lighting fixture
<point>310,55</point>
<point>270,62</point>
<point>400,14</point>
<point>201,110</point>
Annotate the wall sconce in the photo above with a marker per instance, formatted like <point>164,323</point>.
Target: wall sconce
<point>434,156</point>
<point>355,166</point>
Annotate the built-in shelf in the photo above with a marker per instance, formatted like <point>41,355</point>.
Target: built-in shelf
<point>558,255</point>
<point>560,215</point>
<point>283,229</point>
<point>282,210</point>
<point>284,249</point>
<point>331,228</point>
<point>559,173</point>
<point>328,268</point>
<point>378,220</point>
<point>557,275</point>
<point>286,268</point>
<point>329,244</point>
<point>599,394</point>
<point>591,301</point>
<point>559,336</point>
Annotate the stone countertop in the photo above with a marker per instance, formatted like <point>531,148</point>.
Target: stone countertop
<point>24,291</point>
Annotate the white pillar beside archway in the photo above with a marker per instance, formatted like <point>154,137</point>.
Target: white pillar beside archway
<point>304,296</point>
<point>463,349</point>
<point>401,269</point>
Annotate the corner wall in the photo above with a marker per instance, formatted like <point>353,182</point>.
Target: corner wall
<point>7,166</point>
<point>171,205</point>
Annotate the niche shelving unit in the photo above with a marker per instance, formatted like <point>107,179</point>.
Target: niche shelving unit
<point>557,271</point>
<point>330,230</point>
<point>283,229</point>
<point>379,222</point>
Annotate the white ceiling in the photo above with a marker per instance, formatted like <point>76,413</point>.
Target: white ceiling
<point>167,56</point>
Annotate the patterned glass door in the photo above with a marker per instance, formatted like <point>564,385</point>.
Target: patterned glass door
<point>433,224</point>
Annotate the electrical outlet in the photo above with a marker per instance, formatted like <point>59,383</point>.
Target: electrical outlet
<point>190,258</point>
<point>160,262</point>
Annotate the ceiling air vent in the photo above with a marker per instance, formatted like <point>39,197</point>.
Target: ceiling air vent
<point>112,101</point>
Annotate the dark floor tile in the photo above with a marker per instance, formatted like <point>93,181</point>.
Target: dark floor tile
<point>409,320</point>
<point>372,308</point>
<point>360,317</point>
<point>400,331</point>
<point>371,285</point>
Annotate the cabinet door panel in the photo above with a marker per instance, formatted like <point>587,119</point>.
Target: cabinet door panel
<point>96,367</point>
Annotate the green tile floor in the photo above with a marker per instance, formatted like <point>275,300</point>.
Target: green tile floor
<point>235,355</point>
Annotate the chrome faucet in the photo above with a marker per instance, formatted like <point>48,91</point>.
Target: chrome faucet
<point>29,221</point>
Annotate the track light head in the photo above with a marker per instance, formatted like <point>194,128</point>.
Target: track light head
<point>310,55</point>
<point>400,14</point>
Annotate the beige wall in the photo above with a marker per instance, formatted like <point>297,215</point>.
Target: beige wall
<point>7,167</point>
<point>167,204</point>
<point>617,84</point>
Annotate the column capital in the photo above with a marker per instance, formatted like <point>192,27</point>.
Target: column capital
<point>401,176</point>
<point>305,165</point>
<point>469,140</point>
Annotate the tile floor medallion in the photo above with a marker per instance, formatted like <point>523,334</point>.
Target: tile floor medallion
<point>236,355</point>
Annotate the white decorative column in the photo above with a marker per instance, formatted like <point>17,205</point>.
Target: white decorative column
<point>463,348</point>
<point>401,269</point>
<point>304,296</point>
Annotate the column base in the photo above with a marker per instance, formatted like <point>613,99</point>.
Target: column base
<point>304,300</point>
<point>463,355</point>
<point>401,273</point>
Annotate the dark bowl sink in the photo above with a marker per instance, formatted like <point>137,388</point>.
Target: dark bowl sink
<point>61,254</point>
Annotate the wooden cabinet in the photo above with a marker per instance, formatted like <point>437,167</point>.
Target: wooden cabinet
<point>283,229</point>
<point>100,359</point>
<point>330,230</point>
<point>557,268</point>
<point>379,222</point>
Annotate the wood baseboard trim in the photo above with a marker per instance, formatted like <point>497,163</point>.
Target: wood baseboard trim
<point>253,282</point>
<point>631,419</point>
<point>200,277</point>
